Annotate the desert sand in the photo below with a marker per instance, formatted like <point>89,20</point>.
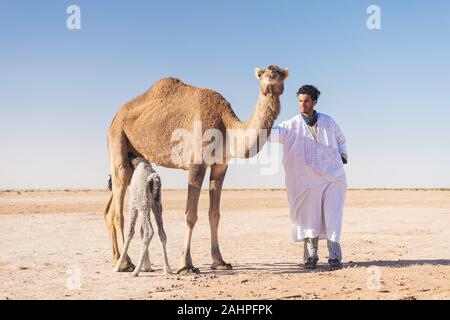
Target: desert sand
<point>396,245</point>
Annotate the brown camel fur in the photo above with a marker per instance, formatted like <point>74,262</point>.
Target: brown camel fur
<point>144,127</point>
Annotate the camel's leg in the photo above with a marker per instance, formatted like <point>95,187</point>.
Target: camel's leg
<point>148,235</point>
<point>123,255</point>
<point>157,211</point>
<point>121,173</point>
<point>196,176</point>
<point>108,216</point>
<point>119,191</point>
<point>218,172</point>
<point>147,266</point>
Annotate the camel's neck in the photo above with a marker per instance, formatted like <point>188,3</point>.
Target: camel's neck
<point>266,111</point>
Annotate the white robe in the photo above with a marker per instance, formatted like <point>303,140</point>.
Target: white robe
<point>314,176</point>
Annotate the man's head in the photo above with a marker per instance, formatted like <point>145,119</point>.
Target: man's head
<point>307,98</point>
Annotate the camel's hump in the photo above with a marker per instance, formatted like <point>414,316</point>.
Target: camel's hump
<point>166,87</point>
<point>173,90</point>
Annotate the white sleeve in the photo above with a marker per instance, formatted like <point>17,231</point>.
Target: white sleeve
<point>340,138</point>
<point>277,134</point>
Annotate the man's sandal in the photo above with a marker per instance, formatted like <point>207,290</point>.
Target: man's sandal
<point>335,264</point>
<point>311,263</point>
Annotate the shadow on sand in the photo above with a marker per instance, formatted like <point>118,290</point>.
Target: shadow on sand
<point>296,268</point>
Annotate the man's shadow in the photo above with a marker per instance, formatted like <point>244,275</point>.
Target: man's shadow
<point>296,268</point>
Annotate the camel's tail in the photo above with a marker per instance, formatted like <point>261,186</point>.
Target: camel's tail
<point>110,197</point>
<point>108,205</point>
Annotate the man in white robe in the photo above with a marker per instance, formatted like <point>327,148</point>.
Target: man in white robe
<point>314,153</point>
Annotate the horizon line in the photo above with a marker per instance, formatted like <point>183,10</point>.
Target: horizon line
<point>224,189</point>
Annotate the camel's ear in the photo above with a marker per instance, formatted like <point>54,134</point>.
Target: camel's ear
<point>286,73</point>
<point>258,72</point>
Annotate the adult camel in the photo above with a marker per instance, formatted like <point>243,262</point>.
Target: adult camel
<point>145,126</point>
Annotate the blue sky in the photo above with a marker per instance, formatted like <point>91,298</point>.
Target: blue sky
<point>387,89</point>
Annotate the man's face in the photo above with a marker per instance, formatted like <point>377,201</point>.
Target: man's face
<point>306,103</point>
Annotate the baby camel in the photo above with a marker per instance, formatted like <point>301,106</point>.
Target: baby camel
<point>145,196</point>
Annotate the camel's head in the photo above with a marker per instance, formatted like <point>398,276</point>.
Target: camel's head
<point>136,161</point>
<point>271,80</point>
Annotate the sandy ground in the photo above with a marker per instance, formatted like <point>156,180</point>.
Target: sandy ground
<point>55,245</point>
